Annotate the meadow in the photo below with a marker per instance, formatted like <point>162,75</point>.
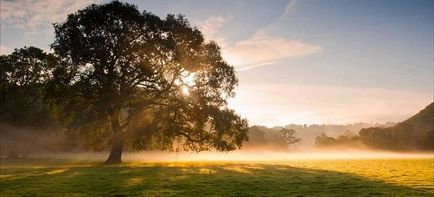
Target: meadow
<point>353,177</point>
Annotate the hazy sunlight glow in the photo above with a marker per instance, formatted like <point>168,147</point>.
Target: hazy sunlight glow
<point>185,91</point>
<point>186,82</point>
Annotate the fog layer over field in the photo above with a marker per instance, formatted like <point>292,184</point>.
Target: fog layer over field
<point>257,156</point>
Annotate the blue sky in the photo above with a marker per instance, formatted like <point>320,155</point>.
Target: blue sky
<point>299,61</point>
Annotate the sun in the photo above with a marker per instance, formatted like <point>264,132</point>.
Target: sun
<point>186,82</point>
<point>185,90</point>
<point>189,79</point>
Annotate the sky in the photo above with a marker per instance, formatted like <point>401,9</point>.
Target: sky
<point>298,61</point>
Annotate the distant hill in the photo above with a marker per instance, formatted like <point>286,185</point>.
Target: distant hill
<point>415,133</point>
<point>422,122</point>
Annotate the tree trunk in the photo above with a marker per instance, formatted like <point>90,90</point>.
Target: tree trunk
<point>116,152</point>
<point>118,140</point>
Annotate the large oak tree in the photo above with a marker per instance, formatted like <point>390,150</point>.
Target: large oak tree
<point>130,79</point>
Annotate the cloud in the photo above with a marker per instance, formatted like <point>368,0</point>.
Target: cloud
<point>264,49</point>
<point>254,66</point>
<point>33,14</point>
<point>260,49</point>
<point>289,7</point>
<point>211,26</point>
<point>276,104</point>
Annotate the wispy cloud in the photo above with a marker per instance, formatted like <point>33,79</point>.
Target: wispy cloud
<point>210,28</point>
<point>260,49</point>
<point>33,14</point>
<point>264,49</point>
<point>289,7</point>
<point>241,68</point>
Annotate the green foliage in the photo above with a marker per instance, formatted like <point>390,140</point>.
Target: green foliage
<point>23,75</point>
<point>264,138</point>
<point>426,141</point>
<point>153,83</point>
<point>256,137</point>
<point>346,140</point>
<point>324,141</point>
<point>384,177</point>
<point>289,136</point>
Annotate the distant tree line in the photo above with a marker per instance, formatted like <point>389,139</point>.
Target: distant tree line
<point>415,133</point>
<point>264,138</point>
<point>395,139</point>
<point>309,132</point>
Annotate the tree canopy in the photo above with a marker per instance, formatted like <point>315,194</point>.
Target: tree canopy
<point>23,75</point>
<point>289,136</point>
<point>130,77</point>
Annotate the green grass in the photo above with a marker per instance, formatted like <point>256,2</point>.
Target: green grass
<point>32,177</point>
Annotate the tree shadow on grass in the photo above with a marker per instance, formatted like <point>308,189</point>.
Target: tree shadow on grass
<point>190,179</point>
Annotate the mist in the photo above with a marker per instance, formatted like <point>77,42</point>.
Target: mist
<point>237,156</point>
<point>268,156</point>
<point>33,143</point>
<point>264,145</point>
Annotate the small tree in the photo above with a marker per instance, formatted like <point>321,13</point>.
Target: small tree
<point>289,136</point>
<point>133,79</point>
<point>324,140</point>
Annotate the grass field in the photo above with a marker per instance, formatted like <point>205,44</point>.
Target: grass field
<point>382,177</point>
